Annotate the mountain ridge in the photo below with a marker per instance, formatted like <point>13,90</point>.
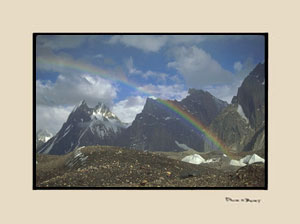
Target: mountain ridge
<point>84,126</point>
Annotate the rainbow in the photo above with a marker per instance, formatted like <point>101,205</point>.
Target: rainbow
<point>80,66</point>
<point>90,69</point>
<point>197,124</point>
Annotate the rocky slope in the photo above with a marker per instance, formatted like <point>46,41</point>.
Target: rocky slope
<point>96,166</point>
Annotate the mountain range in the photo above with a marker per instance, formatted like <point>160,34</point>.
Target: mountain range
<point>240,125</point>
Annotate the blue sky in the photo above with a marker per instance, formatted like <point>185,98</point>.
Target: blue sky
<point>134,67</point>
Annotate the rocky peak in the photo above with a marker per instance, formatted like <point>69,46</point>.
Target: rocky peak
<point>151,106</point>
<point>202,105</point>
<point>251,96</point>
<point>82,105</point>
<point>193,91</point>
<point>103,111</point>
<point>241,126</point>
<point>85,126</point>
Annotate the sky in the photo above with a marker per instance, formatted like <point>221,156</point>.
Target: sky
<point>123,70</point>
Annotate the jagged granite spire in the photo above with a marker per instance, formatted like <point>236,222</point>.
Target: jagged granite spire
<point>85,126</point>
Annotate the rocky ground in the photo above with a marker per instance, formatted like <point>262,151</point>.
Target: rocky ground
<point>99,166</point>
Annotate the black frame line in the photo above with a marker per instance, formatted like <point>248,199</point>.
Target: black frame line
<point>34,36</point>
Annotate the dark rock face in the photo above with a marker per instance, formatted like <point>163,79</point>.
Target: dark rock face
<point>257,142</point>
<point>251,96</point>
<point>231,128</point>
<point>158,128</point>
<point>84,126</point>
<point>202,105</point>
<point>241,126</point>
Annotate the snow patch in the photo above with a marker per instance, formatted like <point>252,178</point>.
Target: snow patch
<point>241,113</point>
<point>66,132</point>
<point>50,147</point>
<point>167,118</point>
<point>47,139</point>
<point>78,105</point>
<point>183,146</point>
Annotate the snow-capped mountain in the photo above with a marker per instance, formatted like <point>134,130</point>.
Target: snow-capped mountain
<point>240,125</point>
<point>42,136</point>
<point>85,126</point>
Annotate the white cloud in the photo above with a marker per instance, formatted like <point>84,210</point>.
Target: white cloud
<point>130,66</point>
<point>98,56</point>
<point>186,39</point>
<point>198,68</point>
<point>224,92</point>
<point>56,42</point>
<point>238,66</point>
<point>127,109</point>
<point>165,91</point>
<point>227,91</point>
<point>153,43</point>
<point>64,63</point>
<point>157,75</point>
<point>146,43</point>
<point>51,117</point>
<point>71,89</point>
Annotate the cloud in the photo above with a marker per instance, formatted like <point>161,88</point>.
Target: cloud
<point>51,118</point>
<point>185,39</point>
<point>146,43</point>
<point>198,68</point>
<point>237,66</point>
<point>156,75</point>
<point>246,67</point>
<point>71,89</point>
<point>224,92</point>
<point>57,42</point>
<point>176,91</point>
<point>63,63</point>
<point>98,56</point>
<point>127,109</point>
<point>130,66</point>
<point>153,43</point>
<point>227,91</point>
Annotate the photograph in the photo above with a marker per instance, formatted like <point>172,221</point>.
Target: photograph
<point>138,111</point>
